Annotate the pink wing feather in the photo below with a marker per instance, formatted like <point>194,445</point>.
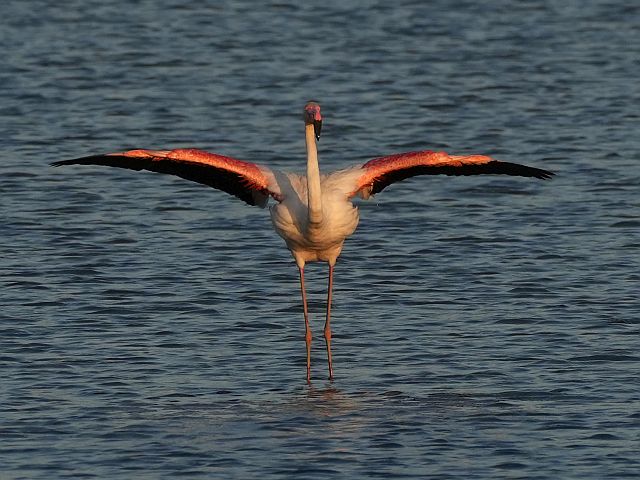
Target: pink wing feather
<point>245,180</point>
<point>381,172</point>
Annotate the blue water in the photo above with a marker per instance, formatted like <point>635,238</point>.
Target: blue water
<point>484,327</point>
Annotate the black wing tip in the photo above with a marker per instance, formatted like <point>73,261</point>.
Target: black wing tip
<point>74,161</point>
<point>545,175</point>
<point>516,169</point>
<point>542,175</point>
<point>88,160</point>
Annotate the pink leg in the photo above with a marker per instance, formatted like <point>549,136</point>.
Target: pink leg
<point>327,325</point>
<point>307,329</point>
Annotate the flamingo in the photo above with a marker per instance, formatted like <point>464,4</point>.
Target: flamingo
<point>314,214</point>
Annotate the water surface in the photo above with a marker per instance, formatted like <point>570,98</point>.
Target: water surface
<point>484,327</point>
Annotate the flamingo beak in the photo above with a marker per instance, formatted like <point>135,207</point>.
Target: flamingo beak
<point>317,126</point>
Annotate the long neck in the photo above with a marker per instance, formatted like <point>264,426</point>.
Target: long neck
<point>313,178</point>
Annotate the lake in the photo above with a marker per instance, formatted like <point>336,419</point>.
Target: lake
<point>483,327</point>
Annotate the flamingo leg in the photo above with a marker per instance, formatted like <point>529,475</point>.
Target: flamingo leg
<point>307,328</point>
<point>327,325</point>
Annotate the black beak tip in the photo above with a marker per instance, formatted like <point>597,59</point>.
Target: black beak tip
<point>317,126</point>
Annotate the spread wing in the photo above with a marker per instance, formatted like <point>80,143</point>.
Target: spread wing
<point>381,172</point>
<point>247,181</point>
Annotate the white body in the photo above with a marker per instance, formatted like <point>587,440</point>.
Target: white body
<point>323,240</point>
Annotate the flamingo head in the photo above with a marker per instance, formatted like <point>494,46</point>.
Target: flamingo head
<point>313,117</point>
